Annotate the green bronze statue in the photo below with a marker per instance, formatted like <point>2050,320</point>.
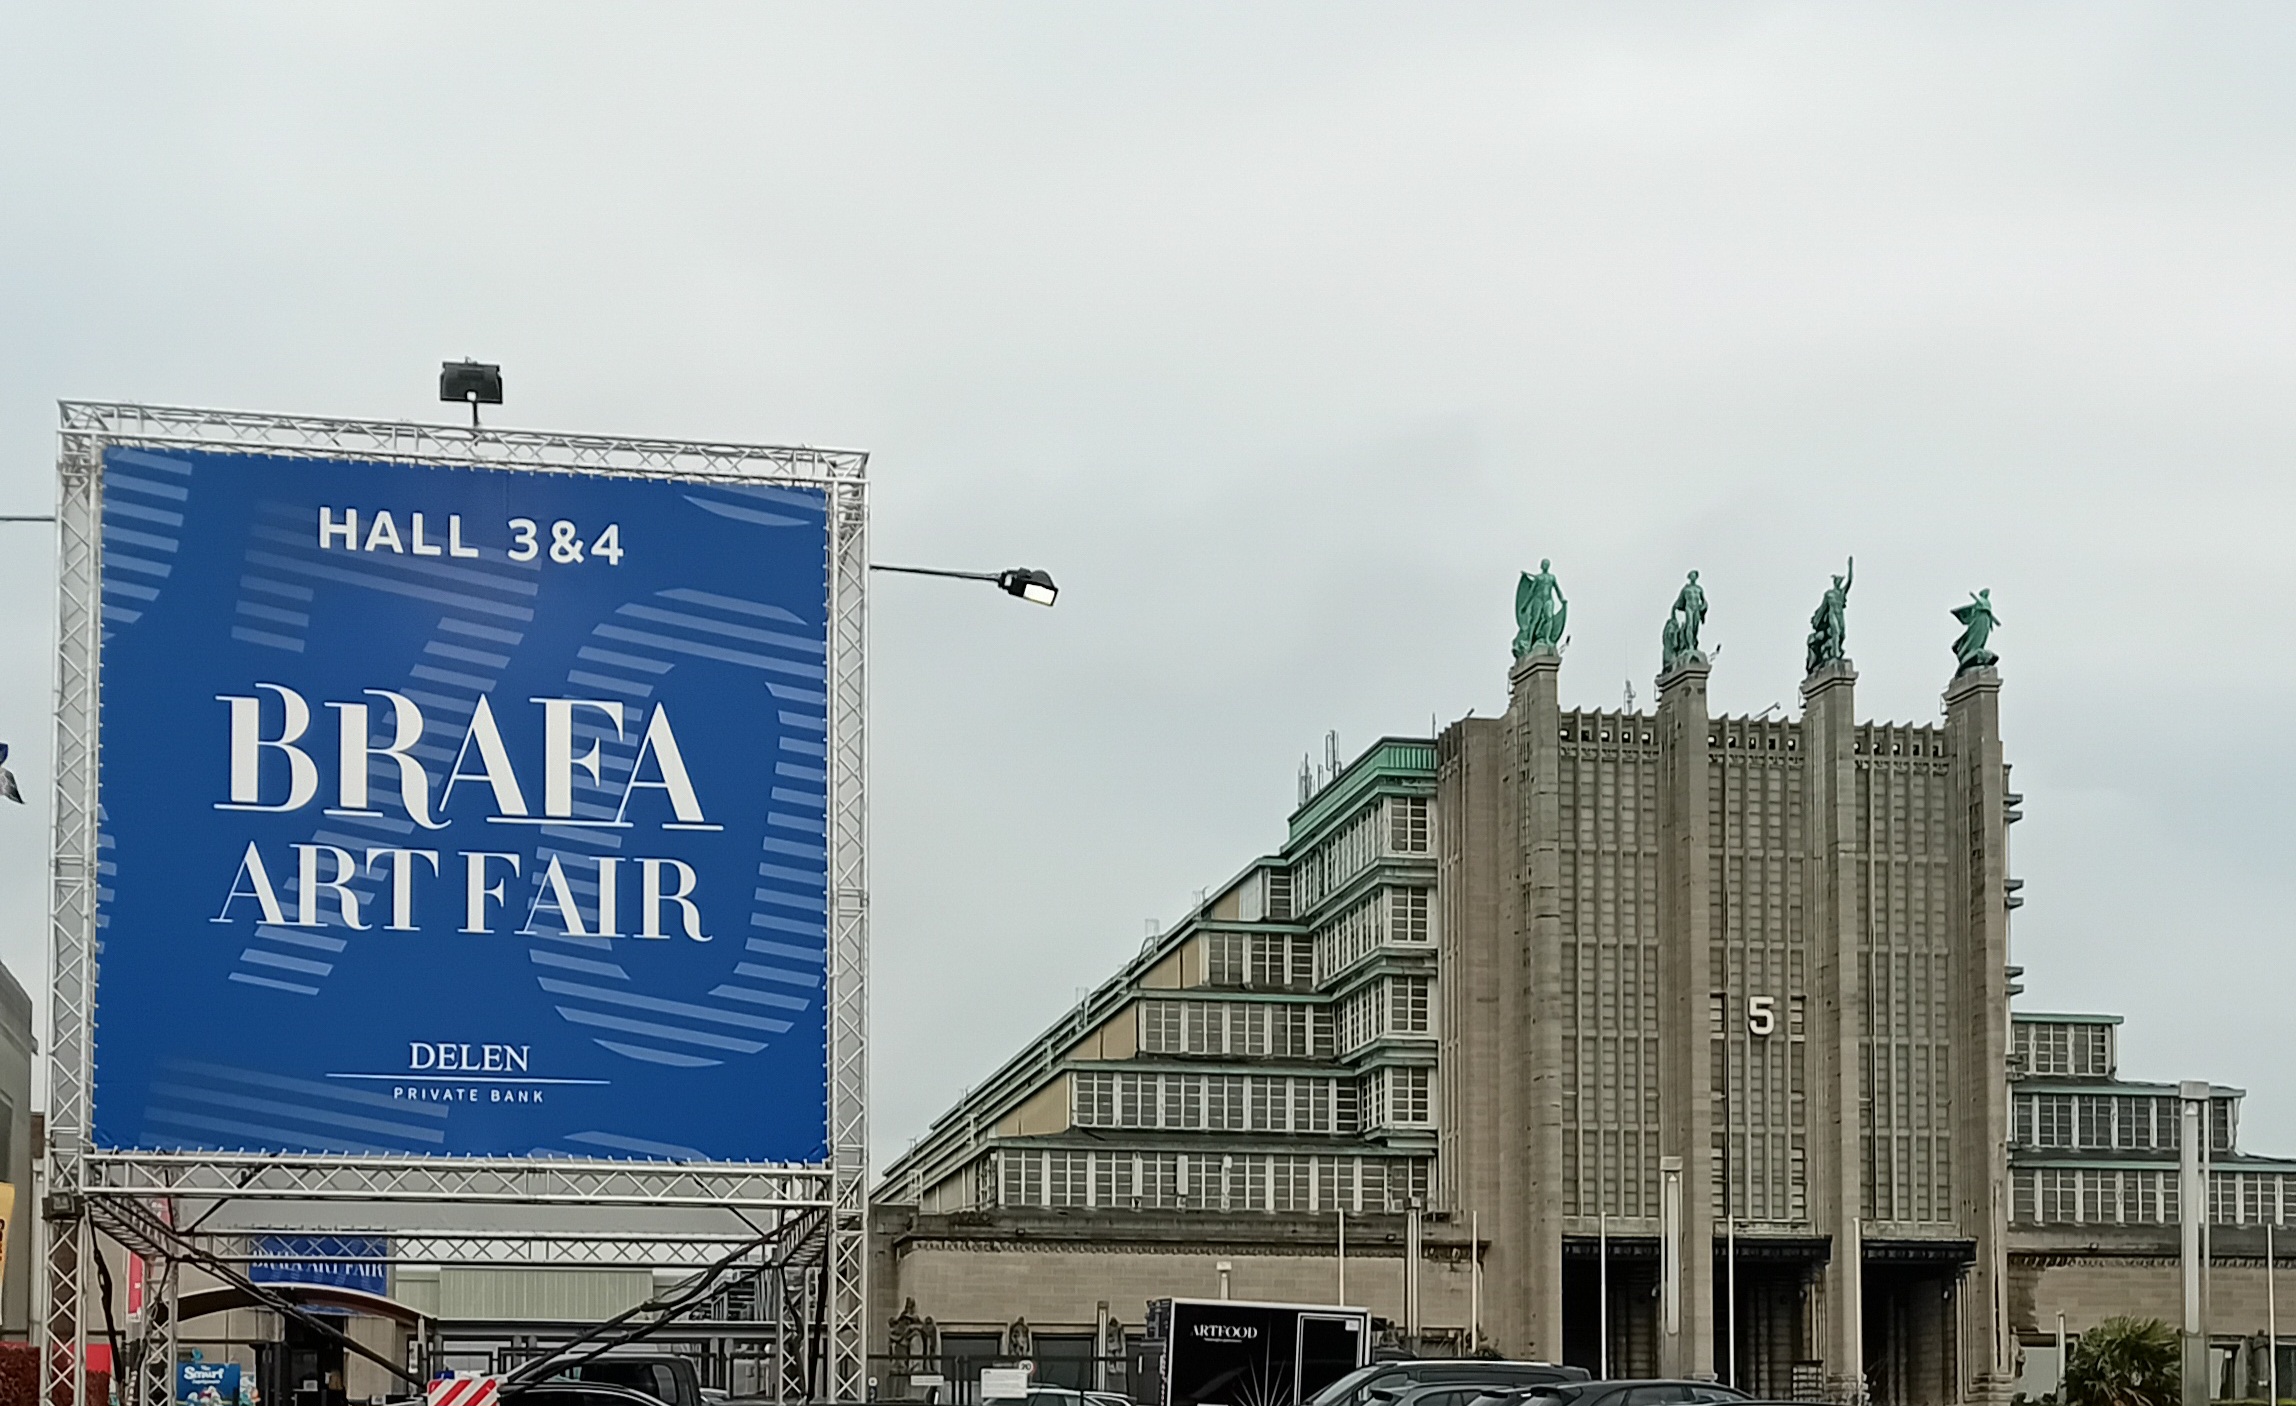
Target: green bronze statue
<point>1540,612</point>
<point>1829,625</point>
<point>1977,622</point>
<point>1678,644</point>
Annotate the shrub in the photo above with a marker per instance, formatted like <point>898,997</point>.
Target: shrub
<point>2125,1362</point>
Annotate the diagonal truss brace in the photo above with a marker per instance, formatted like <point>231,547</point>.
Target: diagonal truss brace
<point>137,1229</point>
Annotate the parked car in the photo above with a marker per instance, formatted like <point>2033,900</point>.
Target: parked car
<point>560,1392</point>
<point>1655,1391</point>
<point>664,1376</point>
<point>1434,1394</point>
<point>1383,1382</point>
<point>1069,1396</point>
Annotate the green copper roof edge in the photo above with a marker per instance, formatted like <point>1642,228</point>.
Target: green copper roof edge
<point>2217,1164</point>
<point>2066,1017</point>
<point>1390,758</point>
<point>2066,1085</point>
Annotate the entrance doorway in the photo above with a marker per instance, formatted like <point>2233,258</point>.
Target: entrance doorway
<point>1911,1328</point>
<point>1633,1293</point>
<point>303,1369</point>
<point>1765,1343</point>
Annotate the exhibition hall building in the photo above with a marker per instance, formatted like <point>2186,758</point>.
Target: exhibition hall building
<point>1658,1042</point>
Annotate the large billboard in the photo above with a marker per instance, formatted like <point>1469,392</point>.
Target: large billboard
<point>461,810</point>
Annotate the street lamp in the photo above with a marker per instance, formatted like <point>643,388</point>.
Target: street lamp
<point>1022,582</point>
<point>473,382</point>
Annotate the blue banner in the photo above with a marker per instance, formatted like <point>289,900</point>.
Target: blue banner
<point>340,1261</point>
<point>460,811</point>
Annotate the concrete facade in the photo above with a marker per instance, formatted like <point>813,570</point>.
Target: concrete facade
<point>1725,1081</point>
<point>2095,1219</point>
<point>1256,1077</point>
<point>1044,1273</point>
<point>1751,1007</point>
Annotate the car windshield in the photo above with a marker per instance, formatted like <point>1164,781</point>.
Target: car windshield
<point>653,1378</point>
<point>1348,1388</point>
<point>1461,1382</point>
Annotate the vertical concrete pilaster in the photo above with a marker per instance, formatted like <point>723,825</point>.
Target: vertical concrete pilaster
<point>1535,712</point>
<point>1829,772</point>
<point>2192,1238</point>
<point>1981,1075</point>
<point>1480,1030</point>
<point>1685,975</point>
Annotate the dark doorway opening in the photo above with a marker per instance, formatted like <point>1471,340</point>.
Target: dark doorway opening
<point>1633,1292</point>
<point>302,1369</point>
<point>1063,1359</point>
<point>1910,1296</point>
<point>1770,1325</point>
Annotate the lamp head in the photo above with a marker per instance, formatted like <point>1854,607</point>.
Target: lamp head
<point>1028,584</point>
<point>470,382</point>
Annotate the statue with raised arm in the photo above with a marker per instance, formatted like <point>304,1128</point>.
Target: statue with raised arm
<point>1977,622</point>
<point>1679,642</point>
<point>1540,612</point>
<point>1829,624</point>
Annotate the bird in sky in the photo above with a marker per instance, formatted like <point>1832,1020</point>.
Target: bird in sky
<point>8,778</point>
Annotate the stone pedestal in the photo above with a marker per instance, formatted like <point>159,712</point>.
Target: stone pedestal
<point>1479,1030</point>
<point>1980,825</point>
<point>1830,829</point>
<point>1684,976</point>
<point>1534,713</point>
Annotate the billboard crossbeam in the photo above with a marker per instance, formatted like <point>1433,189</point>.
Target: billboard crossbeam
<point>496,1181</point>
<point>431,1248</point>
<point>411,443</point>
<point>90,1182</point>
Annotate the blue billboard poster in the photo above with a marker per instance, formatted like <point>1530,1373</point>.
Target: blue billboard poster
<point>461,810</point>
<point>337,1261</point>
<point>207,1383</point>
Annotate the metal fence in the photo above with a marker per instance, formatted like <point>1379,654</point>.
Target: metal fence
<point>954,1379</point>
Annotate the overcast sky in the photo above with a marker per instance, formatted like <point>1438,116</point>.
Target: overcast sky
<point>1284,336</point>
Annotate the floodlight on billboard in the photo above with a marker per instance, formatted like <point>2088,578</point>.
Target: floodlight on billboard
<point>463,808</point>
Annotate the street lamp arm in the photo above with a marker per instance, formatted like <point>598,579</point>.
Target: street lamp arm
<point>27,517</point>
<point>936,571</point>
<point>1021,582</point>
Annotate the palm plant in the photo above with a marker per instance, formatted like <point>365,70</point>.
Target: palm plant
<point>2125,1362</point>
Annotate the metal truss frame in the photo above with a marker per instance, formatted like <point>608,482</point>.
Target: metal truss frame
<point>114,1185</point>
<point>535,1181</point>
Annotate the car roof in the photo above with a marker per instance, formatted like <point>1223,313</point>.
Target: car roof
<point>1582,1390</point>
<point>567,1386</point>
<point>1465,1362</point>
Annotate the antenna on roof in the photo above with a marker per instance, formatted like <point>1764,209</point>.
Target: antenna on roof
<point>1306,780</point>
<point>1331,752</point>
<point>1630,695</point>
